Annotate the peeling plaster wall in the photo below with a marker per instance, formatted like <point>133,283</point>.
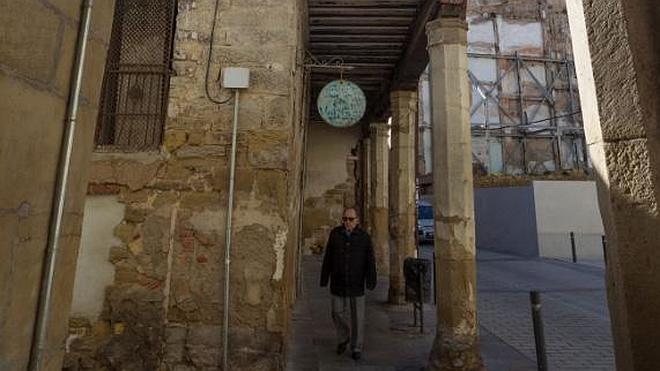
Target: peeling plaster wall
<point>165,306</point>
<point>331,181</point>
<point>94,272</point>
<point>37,47</point>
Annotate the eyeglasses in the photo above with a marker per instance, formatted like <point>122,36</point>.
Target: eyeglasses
<point>347,219</point>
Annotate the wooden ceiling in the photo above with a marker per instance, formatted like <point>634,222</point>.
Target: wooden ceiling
<point>381,42</point>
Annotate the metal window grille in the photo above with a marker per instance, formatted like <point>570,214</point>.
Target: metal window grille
<point>136,81</point>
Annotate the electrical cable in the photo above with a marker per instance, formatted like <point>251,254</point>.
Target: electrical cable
<point>208,62</point>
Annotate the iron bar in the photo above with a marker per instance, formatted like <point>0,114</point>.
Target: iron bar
<point>514,57</point>
<point>521,106</point>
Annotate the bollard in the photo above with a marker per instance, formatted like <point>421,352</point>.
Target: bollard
<point>539,336</point>
<point>604,249</point>
<point>435,299</point>
<point>573,251</point>
<point>421,301</point>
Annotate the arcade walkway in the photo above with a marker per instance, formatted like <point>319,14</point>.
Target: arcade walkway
<point>577,322</point>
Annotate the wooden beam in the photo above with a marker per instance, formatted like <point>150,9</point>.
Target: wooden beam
<point>364,3</point>
<point>415,57</point>
<point>357,30</point>
<point>413,60</point>
<point>360,12</point>
<point>316,38</point>
<point>360,21</point>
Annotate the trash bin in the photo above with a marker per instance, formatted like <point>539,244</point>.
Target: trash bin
<point>417,273</point>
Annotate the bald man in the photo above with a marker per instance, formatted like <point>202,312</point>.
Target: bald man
<point>349,264</point>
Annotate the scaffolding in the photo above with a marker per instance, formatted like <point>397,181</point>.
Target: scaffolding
<point>525,116</point>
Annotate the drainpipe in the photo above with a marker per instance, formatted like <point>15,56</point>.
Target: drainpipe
<point>61,186</point>
<point>230,209</point>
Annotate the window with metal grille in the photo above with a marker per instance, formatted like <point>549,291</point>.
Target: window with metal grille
<point>137,75</point>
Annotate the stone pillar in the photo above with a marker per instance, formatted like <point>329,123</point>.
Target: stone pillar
<point>402,188</point>
<point>379,211</point>
<point>456,345</point>
<point>616,46</point>
<point>366,184</point>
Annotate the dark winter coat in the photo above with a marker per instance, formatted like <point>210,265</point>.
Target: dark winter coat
<point>349,263</point>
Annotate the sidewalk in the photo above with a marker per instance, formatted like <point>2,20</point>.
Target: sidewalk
<point>391,343</point>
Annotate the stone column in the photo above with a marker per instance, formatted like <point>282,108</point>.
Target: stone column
<point>366,184</point>
<point>379,211</point>
<point>402,188</point>
<point>456,345</point>
<point>616,47</point>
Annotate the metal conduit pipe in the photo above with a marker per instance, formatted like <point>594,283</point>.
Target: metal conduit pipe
<point>230,209</point>
<point>61,186</point>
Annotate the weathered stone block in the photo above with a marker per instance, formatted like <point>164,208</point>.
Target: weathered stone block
<point>205,334</point>
<point>174,139</point>
<point>127,232</point>
<point>200,355</point>
<point>201,151</point>
<point>630,172</point>
<point>269,150</point>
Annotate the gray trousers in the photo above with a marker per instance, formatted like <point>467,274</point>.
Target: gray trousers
<point>348,317</point>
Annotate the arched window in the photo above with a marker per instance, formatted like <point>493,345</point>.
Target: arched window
<point>137,74</point>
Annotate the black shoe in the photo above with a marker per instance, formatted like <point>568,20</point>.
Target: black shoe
<point>341,348</point>
<point>356,355</point>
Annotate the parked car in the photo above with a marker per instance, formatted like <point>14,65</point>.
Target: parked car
<point>425,228</point>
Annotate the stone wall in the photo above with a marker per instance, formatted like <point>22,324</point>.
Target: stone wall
<point>165,306</point>
<point>37,48</point>
<point>331,181</point>
<point>616,51</point>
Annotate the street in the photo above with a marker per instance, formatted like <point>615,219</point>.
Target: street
<point>574,313</point>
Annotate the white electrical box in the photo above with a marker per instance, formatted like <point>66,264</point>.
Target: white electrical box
<point>235,78</point>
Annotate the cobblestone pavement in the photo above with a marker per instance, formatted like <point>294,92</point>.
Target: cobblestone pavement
<point>575,316</point>
<point>574,309</point>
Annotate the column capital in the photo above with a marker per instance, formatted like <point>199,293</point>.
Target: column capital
<point>379,128</point>
<point>448,30</point>
<point>404,94</point>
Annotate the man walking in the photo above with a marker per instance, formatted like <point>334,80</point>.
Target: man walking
<point>349,263</point>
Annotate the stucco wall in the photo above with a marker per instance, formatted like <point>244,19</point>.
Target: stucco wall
<point>37,46</point>
<point>165,305</point>
<point>565,207</point>
<point>330,185</point>
<point>94,272</point>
